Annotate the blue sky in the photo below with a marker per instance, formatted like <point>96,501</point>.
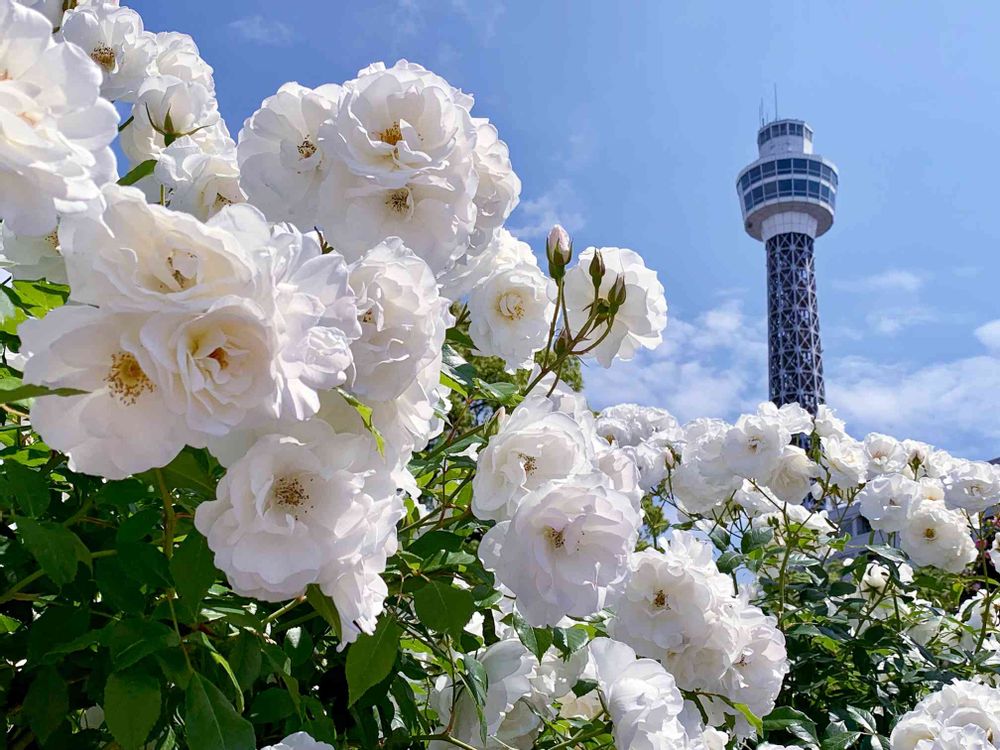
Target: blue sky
<point>628,122</point>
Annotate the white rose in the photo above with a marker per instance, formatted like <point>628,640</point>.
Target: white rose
<point>973,486</point>
<point>54,126</point>
<point>828,424</point>
<point>299,741</point>
<point>403,320</point>
<point>672,599</point>
<point>32,258</point>
<point>499,189</point>
<point>126,422</point>
<point>934,535</point>
<point>566,549</point>
<point>168,105</point>
<point>753,447</point>
<point>308,507</point>
<point>792,417</point>
<point>885,501</point>
<point>509,669</point>
<point>793,476</point>
<point>534,445</point>
<point>885,454</point>
<point>962,712</point>
<point>510,313</point>
<point>845,459</point>
<point>198,182</point>
<point>216,367</point>
<point>316,312</point>
<point>177,55</point>
<point>280,160</point>
<point>640,321</point>
<point>642,698</point>
<point>137,256</point>
<point>504,250</point>
<point>115,40</point>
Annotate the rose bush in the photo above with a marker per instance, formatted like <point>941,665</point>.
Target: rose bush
<point>251,495</point>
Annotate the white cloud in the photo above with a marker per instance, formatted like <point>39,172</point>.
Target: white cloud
<point>557,205</point>
<point>716,366</point>
<point>893,320</point>
<point>259,30</point>
<point>989,335</point>
<point>892,280</point>
<point>954,405</point>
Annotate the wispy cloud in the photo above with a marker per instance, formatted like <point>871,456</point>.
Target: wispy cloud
<point>716,365</point>
<point>260,30</point>
<point>557,205</point>
<point>989,335</point>
<point>891,321</point>
<point>892,280</point>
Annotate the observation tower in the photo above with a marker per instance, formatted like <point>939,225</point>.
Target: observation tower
<point>788,197</point>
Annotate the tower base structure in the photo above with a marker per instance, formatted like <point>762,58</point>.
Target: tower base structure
<point>795,362</point>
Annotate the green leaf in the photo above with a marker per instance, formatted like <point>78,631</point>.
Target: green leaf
<point>298,645</point>
<point>140,170</point>
<point>57,549</point>
<point>146,564</point>
<point>193,571</point>
<point>28,488</point>
<point>210,721</point>
<point>370,658</point>
<point>477,682</point>
<point>274,704</point>
<point>365,412</point>
<point>751,717</point>
<point>864,718</point>
<point>728,561</point>
<point>794,722</point>
<point>188,471</point>
<point>840,741</point>
<point>325,606</point>
<point>47,703</point>
<point>245,658</point>
<point>443,607</point>
<point>755,539</point>
<point>720,538</point>
<point>133,639</point>
<point>526,634</point>
<point>435,541</point>
<point>9,396</point>
<point>569,640</point>
<point>131,707</point>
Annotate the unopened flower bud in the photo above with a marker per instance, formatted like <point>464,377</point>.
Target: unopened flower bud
<point>558,250</point>
<point>597,270</point>
<point>616,297</point>
<point>563,343</point>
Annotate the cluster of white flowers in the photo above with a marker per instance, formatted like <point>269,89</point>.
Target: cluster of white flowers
<point>961,716</point>
<point>393,152</point>
<point>679,609</point>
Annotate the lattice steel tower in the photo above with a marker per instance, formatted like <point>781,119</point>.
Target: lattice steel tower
<point>788,197</point>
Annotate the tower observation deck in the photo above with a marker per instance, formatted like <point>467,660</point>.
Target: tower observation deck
<point>787,198</point>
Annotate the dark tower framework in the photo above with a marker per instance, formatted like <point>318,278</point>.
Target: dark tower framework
<point>795,355</point>
<point>788,198</point>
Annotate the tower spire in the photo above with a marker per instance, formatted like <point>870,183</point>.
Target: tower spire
<point>787,198</point>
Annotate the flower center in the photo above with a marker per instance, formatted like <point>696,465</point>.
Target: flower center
<point>221,356</point>
<point>181,266</point>
<point>126,380</point>
<point>399,201</point>
<point>660,600</point>
<point>529,463</point>
<point>104,56</point>
<point>392,134</point>
<point>307,148</point>
<point>511,306</point>
<point>368,316</point>
<point>930,534</point>
<point>53,239</point>
<point>754,444</point>
<point>221,202</point>
<point>556,538</point>
<point>289,493</point>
